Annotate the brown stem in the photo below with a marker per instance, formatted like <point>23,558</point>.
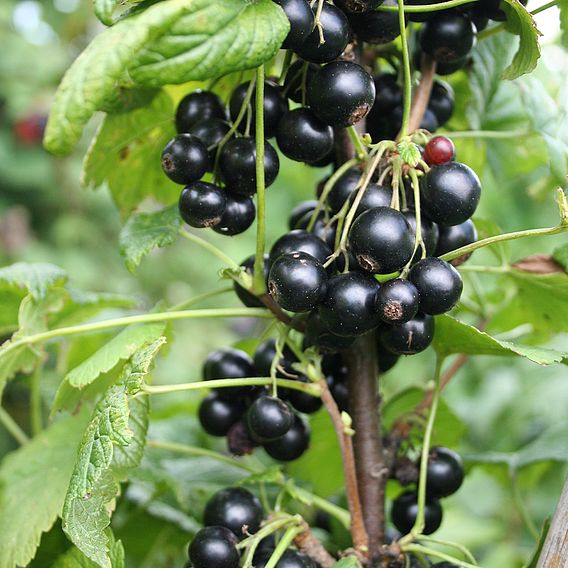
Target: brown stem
<point>422,93</point>
<point>358,531</point>
<point>364,405</point>
<point>269,302</point>
<point>307,543</point>
<point>555,549</point>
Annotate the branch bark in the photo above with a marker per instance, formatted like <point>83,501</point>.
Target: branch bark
<point>422,94</point>
<point>307,543</point>
<point>555,549</point>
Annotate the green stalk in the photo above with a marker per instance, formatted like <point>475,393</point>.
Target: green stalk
<point>489,133</point>
<point>419,8</point>
<point>284,543</point>
<point>463,549</point>
<point>35,401</point>
<point>360,150</point>
<point>258,282</point>
<point>436,554</point>
<point>13,428</point>
<point>211,248</point>
<point>407,101</point>
<point>521,507</point>
<point>201,298</point>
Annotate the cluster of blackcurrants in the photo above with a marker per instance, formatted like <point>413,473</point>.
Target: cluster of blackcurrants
<point>250,416</point>
<point>231,515</point>
<point>445,474</point>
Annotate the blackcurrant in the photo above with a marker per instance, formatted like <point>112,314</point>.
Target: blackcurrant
<point>228,363</point>
<point>238,217</point>
<point>348,306</point>
<point>290,559</point>
<point>439,150</point>
<point>246,297</point>
<point>237,162</point>
<point>301,20</point>
<point>408,338</point>
<point>388,93</point>
<point>303,137</point>
<point>450,193</point>
<point>322,229</point>
<point>455,237</point>
<point>375,196</point>
<point>376,27</point>
<point>302,401</point>
<point>340,392</point>
<point>199,105</point>
<point>269,418</point>
<point>385,360</point>
<point>381,240</point>
<point>275,105</point>
<point>342,189</point>
<point>444,473</point>
<point>214,546</point>
<point>438,283</point>
<point>235,508</point>
<point>298,212</point>
<point>239,439</point>
<point>358,6</point>
<point>217,415</point>
<point>185,159</point>
<point>318,334</point>
<point>405,509</point>
<point>429,231</point>
<point>447,37</point>
<point>341,93</point>
<point>202,204</point>
<point>300,240</point>
<point>298,76</point>
<point>421,16</point>
<point>336,36</point>
<point>397,301</point>
<point>293,444</point>
<point>429,120</point>
<point>210,132</point>
<point>265,354</point>
<point>441,102</point>
<point>449,68</point>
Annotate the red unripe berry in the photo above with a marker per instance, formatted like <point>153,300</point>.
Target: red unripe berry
<point>439,151</point>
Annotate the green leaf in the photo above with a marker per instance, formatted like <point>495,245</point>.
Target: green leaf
<point>125,155</point>
<point>560,255</point>
<point>145,231</point>
<point>348,562</point>
<point>112,444</point>
<point>74,558</point>
<point>520,22</point>
<point>272,474</point>
<point>37,278</point>
<point>563,7</point>
<point>533,562</point>
<point>33,483</point>
<point>119,348</point>
<point>173,41</point>
<point>453,336</point>
<point>104,10</point>
<point>409,152</point>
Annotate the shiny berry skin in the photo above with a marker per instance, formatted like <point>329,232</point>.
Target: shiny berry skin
<point>439,150</point>
<point>197,106</point>
<point>341,93</point>
<point>234,508</point>
<point>202,204</point>
<point>293,444</point>
<point>375,196</point>
<point>320,229</point>
<point>358,6</point>
<point>447,37</point>
<point>303,137</point>
<point>300,240</point>
<point>210,132</point>
<point>438,283</point>
<point>376,27</point>
<point>295,78</point>
<point>450,193</point>
<point>264,355</point>
<point>290,559</point>
<point>275,105</point>
<point>238,217</point>
<point>248,299</point>
<point>238,167</point>
<point>385,360</point>
<point>405,509</point>
<point>185,159</point>
<point>318,334</point>
<point>214,546</point>
<point>445,472</point>
<point>302,401</point>
<point>301,20</point>
<point>444,69</point>
<point>299,211</point>
<point>269,418</point>
<point>228,363</point>
<point>388,93</point>
<point>429,120</point>
<point>444,565</point>
<point>336,35</point>
<point>441,102</point>
<point>381,240</point>
<point>348,306</point>
<point>296,281</point>
<point>408,338</point>
<point>452,238</point>
<point>397,301</point>
<point>216,415</point>
<point>429,230</point>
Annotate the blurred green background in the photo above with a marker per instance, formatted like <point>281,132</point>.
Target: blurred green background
<point>496,405</point>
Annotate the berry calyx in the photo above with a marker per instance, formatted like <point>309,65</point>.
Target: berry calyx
<point>296,281</point>
<point>197,106</point>
<point>185,159</point>
<point>445,472</point>
<point>214,546</point>
<point>397,301</point>
<point>236,509</point>
<point>408,338</point>
<point>269,418</point>
<point>439,150</point>
<point>293,444</point>
<point>202,204</point>
<point>405,510</point>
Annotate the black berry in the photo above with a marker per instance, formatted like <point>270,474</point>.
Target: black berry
<point>185,159</point>
<point>199,105</point>
<point>301,20</point>
<point>238,217</point>
<point>408,338</point>
<point>429,231</point>
<point>302,401</point>
<point>376,27</point>
<point>293,444</point>
<point>447,37</point>
<point>202,204</point>
<point>299,211</point>
<point>269,418</point>
<point>405,509</point>
<point>210,132</point>
<point>455,237</point>
<point>248,299</point>
<point>228,363</point>
<point>299,74</point>
<point>234,508</point>
<point>290,559</point>
<point>341,93</point>
<point>441,102</point>
<point>445,472</point>
<point>214,546</point>
<point>217,415</point>
<point>397,301</point>
<point>300,240</point>
<point>317,333</point>
<point>357,6</point>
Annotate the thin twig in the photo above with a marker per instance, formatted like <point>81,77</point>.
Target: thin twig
<point>422,93</point>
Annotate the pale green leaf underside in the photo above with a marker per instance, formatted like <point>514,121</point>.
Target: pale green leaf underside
<point>453,336</point>
<point>33,483</point>
<point>145,231</point>
<point>173,41</point>
<point>74,558</point>
<point>104,10</point>
<point>37,278</point>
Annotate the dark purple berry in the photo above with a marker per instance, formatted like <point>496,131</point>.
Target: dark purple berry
<point>293,444</point>
<point>214,546</point>
<point>397,301</point>
<point>405,510</point>
<point>217,415</point>
<point>269,418</point>
<point>235,508</point>
<point>408,338</point>
<point>202,204</point>
<point>238,217</point>
<point>197,106</point>
<point>185,159</point>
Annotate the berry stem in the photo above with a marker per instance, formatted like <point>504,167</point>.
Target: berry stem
<point>201,298</point>
<point>424,8</point>
<point>407,100</point>
<point>227,261</point>
<point>490,133</point>
<point>283,544</point>
<point>35,401</point>
<point>13,428</point>
<point>463,549</point>
<point>285,66</point>
<point>521,506</point>
<point>259,284</point>
<point>423,91</point>
<point>436,554</point>
<point>307,543</point>
<point>360,150</point>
